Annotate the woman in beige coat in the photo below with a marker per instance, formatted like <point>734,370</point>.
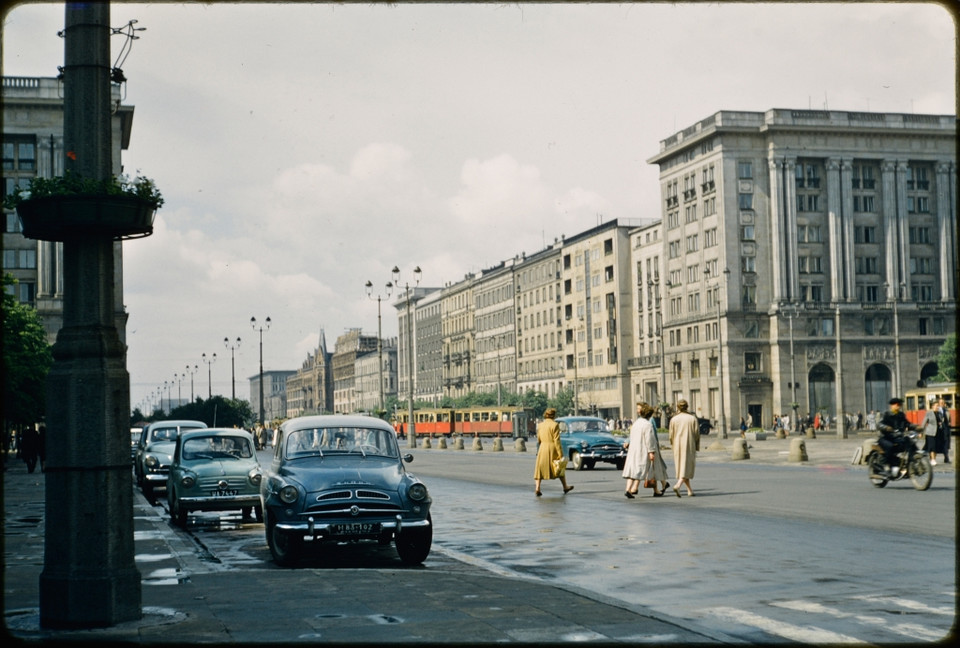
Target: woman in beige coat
<point>548,436</point>
<point>685,441</point>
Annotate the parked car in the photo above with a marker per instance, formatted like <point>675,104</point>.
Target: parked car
<point>214,469</point>
<point>155,452</point>
<point>587,439</point>
<point>135,433</point>
<point>340,479</point>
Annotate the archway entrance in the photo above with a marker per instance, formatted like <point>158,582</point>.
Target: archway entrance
<point>928,372</point>
<point>822,388</point>
<point>878,385</point>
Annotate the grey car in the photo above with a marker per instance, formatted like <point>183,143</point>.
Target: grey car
<point>155,453</point>
<point>339,479</point>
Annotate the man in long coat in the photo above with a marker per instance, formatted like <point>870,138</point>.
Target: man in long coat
<point>685,441</point>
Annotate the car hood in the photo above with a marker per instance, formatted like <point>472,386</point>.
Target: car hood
<point>337,472</point>
<point>591,438</point>
<point>221,467</point>
<point>162,447</point>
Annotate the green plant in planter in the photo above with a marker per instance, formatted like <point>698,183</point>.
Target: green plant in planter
<point>73,184</point>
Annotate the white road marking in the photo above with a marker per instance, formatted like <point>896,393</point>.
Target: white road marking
<point>911,630</point>
<point>804,634</point>
<point>908,603</point>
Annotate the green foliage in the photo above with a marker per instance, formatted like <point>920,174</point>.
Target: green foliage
<point>27,359</point>
<point>947,360</point>
<point>217,411</point>
<point>563,402</point>
<point>537,401</point>
<point>73,184</point>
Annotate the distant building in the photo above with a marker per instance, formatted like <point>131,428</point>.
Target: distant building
<point>539,322</point>
<point>33,147</point>
<point>349,347</point>
<point>274,396</point>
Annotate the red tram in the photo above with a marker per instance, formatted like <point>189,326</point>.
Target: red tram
<point>917,402</point>
<point>469,421</point>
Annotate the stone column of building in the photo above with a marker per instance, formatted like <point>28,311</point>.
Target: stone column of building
<point>903,223</point>
<point>946,229</point>
<point>778,227</point>
<point>890,226</point>
<point>89,576</point>
<point>847,225</point>
<point>835,230</point>
<point>790,210</point>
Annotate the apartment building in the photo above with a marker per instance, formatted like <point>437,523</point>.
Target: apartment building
<point>539,322</point>
<point>33,147</point>
<point>494,312</point>
<point>348,348</point>
<point>814,251</point>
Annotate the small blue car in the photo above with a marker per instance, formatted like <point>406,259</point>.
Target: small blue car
<point>587,439</point>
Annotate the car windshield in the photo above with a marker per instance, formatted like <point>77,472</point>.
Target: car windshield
<point>165,434</point>
<point>587,426</point>
<point>322,441</point>
<point>216,447</point>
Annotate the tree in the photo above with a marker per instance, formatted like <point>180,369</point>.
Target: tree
<point>947,360</point>
<point>535,400</point>
<point>563,402</point>
<point>27,358</point>
<point>215,412</point>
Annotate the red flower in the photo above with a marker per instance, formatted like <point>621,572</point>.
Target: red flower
<point>71,155</point>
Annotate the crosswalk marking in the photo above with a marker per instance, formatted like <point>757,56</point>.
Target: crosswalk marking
<point>805,634</point>
<point>908,604</point>
<point>912,630</point>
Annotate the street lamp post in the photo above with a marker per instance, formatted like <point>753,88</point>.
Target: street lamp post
<point>411,427</point>
<point>723,409</point>
<point>233,380</point>
<point>388,289</point>
<point>261,328</point>
<point>191,372</point>
<point>179,379</point>
<point>663,369</point>
<point>166,385</point>
<point>209,361</point>
<point>791,312</point>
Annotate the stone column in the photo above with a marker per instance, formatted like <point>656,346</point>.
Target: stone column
<point>777,227</point>
<point>946,230</point>
<point>890,236</point>
<point>89,576</point>
<point>902,223</point>
<point>834,229</point>
<point>790,212</point>
<point>847,225</point>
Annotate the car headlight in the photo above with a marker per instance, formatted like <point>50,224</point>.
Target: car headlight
<point>188,480</point>
<point>288,494</point>
<point>583,444</point>
<point>417,492</point>
<point>151,462</point>
<point>254,476</point>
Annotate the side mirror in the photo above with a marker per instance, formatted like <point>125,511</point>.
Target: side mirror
<point>408,457</point>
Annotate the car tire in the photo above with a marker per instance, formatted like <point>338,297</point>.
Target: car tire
<point>284,547</point>
<point>413,545</point>
<point>177,513</point>
<point>620,464</point>
<point>148,493</point>
<point>258,513</point>
<point>576,460</point>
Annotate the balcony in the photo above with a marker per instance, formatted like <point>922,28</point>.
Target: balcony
<point>643,362</point>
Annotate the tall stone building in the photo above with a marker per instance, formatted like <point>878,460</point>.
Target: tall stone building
<point>310,389</point>
<point>349,347</point>
<point>494,317</point>
<point>539,322</point>
<point>33,147</point>
<point>814,251</point>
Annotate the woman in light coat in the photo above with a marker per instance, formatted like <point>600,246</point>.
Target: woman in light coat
<point>549,450</point>
<point>643,460</point>
<point>929,427</point>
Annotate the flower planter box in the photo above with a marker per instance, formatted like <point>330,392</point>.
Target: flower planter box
<point>58,218</point>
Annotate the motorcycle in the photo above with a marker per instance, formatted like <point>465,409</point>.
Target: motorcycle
<point>914,463</point>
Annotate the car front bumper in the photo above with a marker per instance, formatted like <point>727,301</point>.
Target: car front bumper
<point>312,529</point>
<point>218,503</point>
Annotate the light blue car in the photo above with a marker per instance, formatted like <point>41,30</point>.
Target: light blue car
<point>587,439</point>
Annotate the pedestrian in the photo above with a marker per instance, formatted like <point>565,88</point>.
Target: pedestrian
<point>944,431</point>
<point>930,428</point>
<point>42,447</point>
<point>685,441</point>
<point>29,447</point>
<point>644,463</point>
<point>743,428</point>
<point>548,452</point>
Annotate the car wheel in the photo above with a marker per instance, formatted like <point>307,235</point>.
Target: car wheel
<point>258,512</point>
<point>589,464</point>
<point>576,460</point>
<point>284,547</point>
<point>620,464</point>
<point>413,545</point>
<point>177,513</point>
<point>148,493</point>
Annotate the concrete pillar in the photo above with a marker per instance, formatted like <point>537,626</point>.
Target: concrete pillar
<point>477,443</point>
<point>89,576</point>
<point>520,445</point>
<point>739,450</point>
<point>442,443</point>
<point>498,445</point>
<point>798,449</point>
<point>458,444</point>
<point>426,442</point>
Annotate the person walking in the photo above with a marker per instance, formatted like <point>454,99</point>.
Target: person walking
<point>30,447</point>
<point>685,441</point>
<point>643,462</point>
<point>548,451</point>
<point>943,432</point>
<point>930,427</point>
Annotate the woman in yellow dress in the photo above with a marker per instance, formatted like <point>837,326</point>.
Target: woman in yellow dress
<point>548,437</point>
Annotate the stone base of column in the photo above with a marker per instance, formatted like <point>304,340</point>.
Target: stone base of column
<point>77,601</point>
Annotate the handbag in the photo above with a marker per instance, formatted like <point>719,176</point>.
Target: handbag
<point>560,467</point>
<point>649,483</point>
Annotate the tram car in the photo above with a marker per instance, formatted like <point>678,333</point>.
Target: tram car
<point>917,402</point>
<point>469,421</point>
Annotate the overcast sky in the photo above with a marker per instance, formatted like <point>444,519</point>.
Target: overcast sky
<point>303,149</point>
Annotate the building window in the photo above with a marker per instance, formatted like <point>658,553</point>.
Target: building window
<point>676,277</point>
<point>747,233</point>
<point>693,273</point>
<point>694,368</point>
<point>810,265</point>
<point>713,367</point>
<point>820,327</point>
<point>745,201</point>
<point>752,329</point>
<point>867,265</point>
<point>918,205</point>
<point>751,361</point>
<point>921,265</point>
<point>921,292</point>
<point>692,243</point>
<point>678,370</point>
<point>863,204</point>
<point>748,263</point>
<point>745,170</point>
<point>749,295</point>
<point>919,235</point>
<point>808,202</point>
<point>865,234</point>
<point>876,326</point>
<point>673,249</point>
<point>673,219</point>
<point>812,293</point>
<point>868,293</point>
<point>808,175</point>
<point>710,238</point>
<point>808,234</point>
<point>690,213</point>
<point>863,177</point>
<point>917,178</point>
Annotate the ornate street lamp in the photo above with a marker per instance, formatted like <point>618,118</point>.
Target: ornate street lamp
<point>261,328</point>
<point>723,409</point>
<point>233,379</point>
<point>209,362</point>
<point>388,289</point>
<point>191,372</point>
<point>411,428</point>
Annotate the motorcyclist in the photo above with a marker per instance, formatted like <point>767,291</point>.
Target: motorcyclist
<point>892,440</point>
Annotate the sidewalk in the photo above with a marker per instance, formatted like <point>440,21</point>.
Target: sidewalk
<point>455,604</point>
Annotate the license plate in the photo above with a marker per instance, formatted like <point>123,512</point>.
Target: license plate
<point>355,528</point>
<point>225,493</point>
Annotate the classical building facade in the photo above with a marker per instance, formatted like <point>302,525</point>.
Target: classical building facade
<point>348,348</point>
<point>33,147</point>
<point>274,396</point>
<point>371,369</point>
<point>310,389</point>
<point>495,311</point>
<point>814,250</point>
<point>539,322</point>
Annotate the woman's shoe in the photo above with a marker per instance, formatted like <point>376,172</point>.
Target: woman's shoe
<point>567,489</point>
<point>676,489</point>
<point>628,494</point>
<point>660,494</point>
<point>537,493</point>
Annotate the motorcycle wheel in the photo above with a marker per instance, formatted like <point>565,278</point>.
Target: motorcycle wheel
<point>920,472</point>
<point>876,470</point>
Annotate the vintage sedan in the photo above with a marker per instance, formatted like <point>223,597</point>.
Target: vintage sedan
<point>587,439</point>
<point>155,452</point>
<point>338,479</point>
<point>214,469</point>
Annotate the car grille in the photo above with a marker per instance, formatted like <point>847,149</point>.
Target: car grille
<point>213,483</point>
<point>606,447</point>
<point>368,502</point>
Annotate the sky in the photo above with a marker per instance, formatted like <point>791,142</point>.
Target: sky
<point>305,148</point>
